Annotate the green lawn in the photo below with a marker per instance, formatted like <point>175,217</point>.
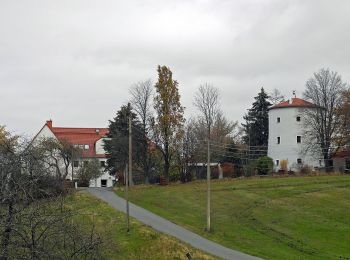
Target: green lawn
<point>274,218</point>
<point>141,242</point>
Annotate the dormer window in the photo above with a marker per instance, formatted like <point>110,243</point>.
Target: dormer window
<point>86,147</point>
<point>278,119</point>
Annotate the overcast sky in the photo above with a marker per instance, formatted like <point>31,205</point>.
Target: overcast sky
<point>74,60</point>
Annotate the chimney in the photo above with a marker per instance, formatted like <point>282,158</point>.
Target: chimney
<point>97,131</point>
<point>49,123</point>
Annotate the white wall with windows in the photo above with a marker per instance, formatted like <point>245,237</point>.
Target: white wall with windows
<point>286,138</point>
<point>105,180</point>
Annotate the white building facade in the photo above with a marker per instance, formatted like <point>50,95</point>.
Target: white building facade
<point>89,141</point>
<point>287,140</point>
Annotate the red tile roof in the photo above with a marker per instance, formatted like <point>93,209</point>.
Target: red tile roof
<point>82,136</point>
<point>295,102</point>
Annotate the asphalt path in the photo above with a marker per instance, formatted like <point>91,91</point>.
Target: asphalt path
<point>165,226</point>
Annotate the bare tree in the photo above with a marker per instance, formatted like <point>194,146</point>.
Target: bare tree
<point>58,156</point>
<point>34,221</point>
<point>189,148</point>
<point>206,100</point>
<point>141,98</point>
<point>324,90</point>
<point>89,171</point>
<point>343,136</point>
<point>276,96</point>
<point>223,132</point>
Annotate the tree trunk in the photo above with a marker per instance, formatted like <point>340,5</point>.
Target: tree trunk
<point>7,232</point>
<point>166,169</point>
<point>166,162</point>
<point>327,162</point>
<point>145,164</point>
<point>146,179</point>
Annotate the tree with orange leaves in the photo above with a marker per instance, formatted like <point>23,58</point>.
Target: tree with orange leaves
<point>169,121</point>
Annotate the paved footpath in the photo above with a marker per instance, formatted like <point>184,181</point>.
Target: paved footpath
<point>167,227</point>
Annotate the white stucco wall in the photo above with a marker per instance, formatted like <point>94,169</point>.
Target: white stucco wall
<point>45,133</point>
<point>99,146</point>
<point>96,183</point>
<point>288,129</point>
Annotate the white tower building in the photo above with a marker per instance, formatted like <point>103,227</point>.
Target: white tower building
<point>287,135</point>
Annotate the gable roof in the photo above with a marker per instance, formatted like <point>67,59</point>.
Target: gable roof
<point>82,136</point>
<point>295,102</point>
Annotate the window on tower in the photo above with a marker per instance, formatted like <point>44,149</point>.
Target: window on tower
<point>278,140</point>
<point>298,139</point>
<point>298,118</point>
<point>278,119</point>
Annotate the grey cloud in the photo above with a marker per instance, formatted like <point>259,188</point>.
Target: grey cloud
<point>74,61</point>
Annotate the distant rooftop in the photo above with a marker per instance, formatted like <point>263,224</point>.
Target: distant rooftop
<point>294,102</point>
<point>79,136</point>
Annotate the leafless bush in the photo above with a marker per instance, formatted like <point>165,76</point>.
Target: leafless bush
<point>305,169</point>
<point>34,222</point>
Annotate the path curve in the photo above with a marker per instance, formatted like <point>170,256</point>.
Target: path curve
<point>165,226</point>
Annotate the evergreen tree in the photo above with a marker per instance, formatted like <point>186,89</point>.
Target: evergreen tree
<point>257,121</point>
<point>117,143</point>
<point>233,155</point>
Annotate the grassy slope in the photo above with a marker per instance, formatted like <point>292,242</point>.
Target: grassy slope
<point>275,218</point>
<point>141,242</point>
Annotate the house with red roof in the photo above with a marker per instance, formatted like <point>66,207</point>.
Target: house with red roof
<point>287,135</point>
<point>341,159</point>
<point>88,140</point>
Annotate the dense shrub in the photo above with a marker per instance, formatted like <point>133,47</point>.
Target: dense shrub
<point>174,176</point>
<point>264,165</point>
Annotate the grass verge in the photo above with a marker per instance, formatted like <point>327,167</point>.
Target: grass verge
<point>141,242</point>
<point>274,218</point>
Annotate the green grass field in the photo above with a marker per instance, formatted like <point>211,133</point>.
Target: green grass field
<point>274,218</point>
<point>141,242</point>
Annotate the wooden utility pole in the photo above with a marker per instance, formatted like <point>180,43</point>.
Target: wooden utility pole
<point>127,197</point>
<point>131,182</point>
<point>128,171</point>
<point>208,186</point>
